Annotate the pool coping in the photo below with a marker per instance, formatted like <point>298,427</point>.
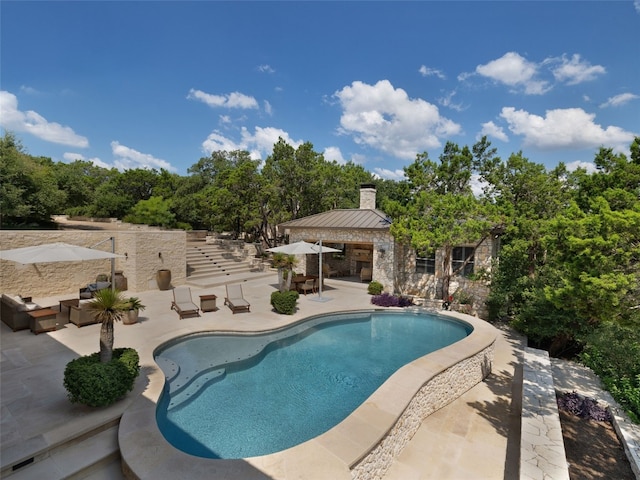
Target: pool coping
<point>361,446</point>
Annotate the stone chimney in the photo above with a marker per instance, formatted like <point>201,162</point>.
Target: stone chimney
<point>367,196</point>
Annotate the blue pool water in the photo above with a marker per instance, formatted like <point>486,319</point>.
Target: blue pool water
<point>237,396</point>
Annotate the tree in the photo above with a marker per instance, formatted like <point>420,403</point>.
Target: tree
<point>108,306</point>
<point>154,211</point>
<point>442,211</point>
<point>28,191</point>
<point>234,192</point>
<point>584,229</point>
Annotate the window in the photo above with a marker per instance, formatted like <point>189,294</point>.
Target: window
<point>459,256</point>
<point>426,264</point>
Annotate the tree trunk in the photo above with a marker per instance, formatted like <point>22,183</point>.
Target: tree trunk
<point>280,279</point>
<point>288,283</point>
<point>446,272</point>
<point>106,342</point>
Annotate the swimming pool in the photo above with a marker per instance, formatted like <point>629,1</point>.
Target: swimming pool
<point>237,396</point>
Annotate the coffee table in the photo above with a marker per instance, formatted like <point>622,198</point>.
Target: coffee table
<point>43,320</point>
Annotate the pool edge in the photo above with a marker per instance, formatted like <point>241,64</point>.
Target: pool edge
<point>351,449</point>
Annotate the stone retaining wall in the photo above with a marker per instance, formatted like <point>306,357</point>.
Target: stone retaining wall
<point>439,391</point>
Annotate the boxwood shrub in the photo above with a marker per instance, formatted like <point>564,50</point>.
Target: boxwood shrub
<point>375,288</point>
<point>96,384</point>
<point>285,302</point>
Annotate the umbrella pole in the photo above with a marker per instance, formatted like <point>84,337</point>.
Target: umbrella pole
<point>320,298</point>
<point>320,269</point>
<point>113,265</point>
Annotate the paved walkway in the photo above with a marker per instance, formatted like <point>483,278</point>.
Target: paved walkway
<point>475,437</point>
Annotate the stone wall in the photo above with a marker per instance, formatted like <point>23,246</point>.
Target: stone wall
<point>435,394</point>
<point>144,252</point>
<point>382,248</point>
<point>428,286</point>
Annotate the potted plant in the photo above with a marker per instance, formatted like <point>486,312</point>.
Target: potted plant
<point>102,378</point>
<point>135,306</point>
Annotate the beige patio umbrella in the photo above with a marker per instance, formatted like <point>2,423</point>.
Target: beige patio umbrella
<point>306,248</point>
<point>59,252</point>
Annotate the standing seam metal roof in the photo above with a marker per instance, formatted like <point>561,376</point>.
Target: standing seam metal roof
<point>353,218</point>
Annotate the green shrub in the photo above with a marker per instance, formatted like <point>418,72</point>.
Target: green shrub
<point>285,302</point>
<point>613,353</point>
<point>96,384</point>
<point>374,288</point>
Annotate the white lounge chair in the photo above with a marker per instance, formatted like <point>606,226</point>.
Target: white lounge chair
<point>183,303</point>
<point>235,299</point>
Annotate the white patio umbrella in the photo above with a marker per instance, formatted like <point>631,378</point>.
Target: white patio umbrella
<point>306,248</point>
<point>58,252</point>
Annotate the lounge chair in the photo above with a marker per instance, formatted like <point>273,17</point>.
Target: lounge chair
<point>183,303</point>
<point>235,299</point>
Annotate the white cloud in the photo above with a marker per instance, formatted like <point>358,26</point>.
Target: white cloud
<point>35,124</point>
<point>268,108</point>
<point>231,100</point>
<point>334,153</point>
<point>576,70</point>
<point>28,90</point>
<point>515,71</point>
<point>447,101</point>
<point>490,129</point>
<point>477,185</point>
<point>385,118</point>
<point>636,4</point>
<point>619,100</point>
<point>385,173</point>
<point>588,166</point>
<point>265,69</point>
<point>72,157</point>
<point>128,158</point>
<point>431,72</point>
<point>564,128</point>
<point>259,144</point>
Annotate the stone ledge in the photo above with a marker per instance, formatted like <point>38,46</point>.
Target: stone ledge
<point>542,453</point>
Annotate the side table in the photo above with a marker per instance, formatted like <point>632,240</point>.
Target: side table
<point>208,303</point>
<point>44,320</point>
<point>69,303</point>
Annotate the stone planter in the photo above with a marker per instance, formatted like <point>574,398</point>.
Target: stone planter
<point>120,281</point>
<point>163,277</point>
<point>131,317</point>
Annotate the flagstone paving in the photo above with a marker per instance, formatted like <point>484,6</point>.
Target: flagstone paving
<point>470,438</point>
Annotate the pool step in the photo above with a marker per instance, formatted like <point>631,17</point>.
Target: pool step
<point>193,387</point>
<point>85,457</point>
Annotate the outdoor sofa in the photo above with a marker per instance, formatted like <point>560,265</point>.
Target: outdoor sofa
<point>15,311</point>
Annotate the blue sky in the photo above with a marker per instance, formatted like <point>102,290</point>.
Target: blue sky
<point>162,84</point>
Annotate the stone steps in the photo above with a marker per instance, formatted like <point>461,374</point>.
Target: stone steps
<point>210,265</point>
<point>89,456</point>
<point>207,260</point>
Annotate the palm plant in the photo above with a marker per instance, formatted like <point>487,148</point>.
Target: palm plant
<point>108,306</point>
<point>284,263</point>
